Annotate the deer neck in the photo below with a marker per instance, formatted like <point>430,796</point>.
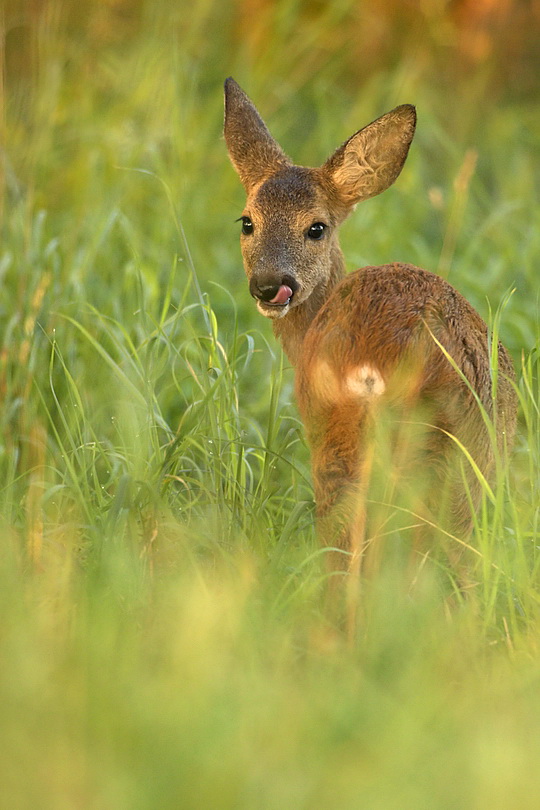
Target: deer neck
<point>292,329</point>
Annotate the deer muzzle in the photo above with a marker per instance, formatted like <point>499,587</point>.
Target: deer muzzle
<point>273,292</point>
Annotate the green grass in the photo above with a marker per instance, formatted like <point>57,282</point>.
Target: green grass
<point>164,641</point>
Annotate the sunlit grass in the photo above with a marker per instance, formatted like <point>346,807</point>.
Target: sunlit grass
<point>165,640</point>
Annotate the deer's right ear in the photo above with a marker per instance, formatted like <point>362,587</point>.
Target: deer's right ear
<point>254,153</point>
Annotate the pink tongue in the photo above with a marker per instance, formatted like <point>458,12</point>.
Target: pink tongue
<point>282,295</point>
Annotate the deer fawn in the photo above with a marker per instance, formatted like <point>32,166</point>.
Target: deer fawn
<point>378,336</point>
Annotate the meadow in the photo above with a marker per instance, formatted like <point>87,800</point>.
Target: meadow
<point>164,641</point>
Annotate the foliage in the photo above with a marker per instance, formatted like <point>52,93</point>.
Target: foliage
<point>164,639</point>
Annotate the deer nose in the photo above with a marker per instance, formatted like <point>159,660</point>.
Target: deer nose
<point>273,291</point>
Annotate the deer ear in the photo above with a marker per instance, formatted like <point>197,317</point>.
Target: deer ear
<point>373,157</point>
<point>254,153</point>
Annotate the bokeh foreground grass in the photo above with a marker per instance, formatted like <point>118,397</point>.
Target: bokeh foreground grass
<point>164,641</point>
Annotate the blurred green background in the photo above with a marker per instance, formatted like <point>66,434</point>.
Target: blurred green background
<point>164,641</point>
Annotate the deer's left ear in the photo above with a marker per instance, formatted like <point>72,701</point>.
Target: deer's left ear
<point>373,157</point>
<point>253,151</point>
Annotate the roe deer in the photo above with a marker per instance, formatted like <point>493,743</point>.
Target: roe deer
<point>378,335</point>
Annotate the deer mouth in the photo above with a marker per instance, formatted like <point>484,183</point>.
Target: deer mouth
<point>274,295</point>
<point>281,298</point>
<point>278,304</point>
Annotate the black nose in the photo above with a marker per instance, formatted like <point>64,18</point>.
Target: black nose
<point>264,292</point>
<point>265,289</point>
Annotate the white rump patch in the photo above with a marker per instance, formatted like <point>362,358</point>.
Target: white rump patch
<point>364,381</point>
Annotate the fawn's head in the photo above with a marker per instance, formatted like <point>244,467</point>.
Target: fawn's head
<point>292,213</point>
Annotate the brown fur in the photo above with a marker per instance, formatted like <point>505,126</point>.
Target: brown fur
<point>368,341</point>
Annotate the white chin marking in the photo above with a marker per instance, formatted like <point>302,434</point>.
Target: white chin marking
<point>272,312</point>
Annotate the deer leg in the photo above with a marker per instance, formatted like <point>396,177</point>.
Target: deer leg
<point>341,464</point>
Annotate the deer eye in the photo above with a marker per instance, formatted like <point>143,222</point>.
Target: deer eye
<point>316,230</point>
<point>247,225</point>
